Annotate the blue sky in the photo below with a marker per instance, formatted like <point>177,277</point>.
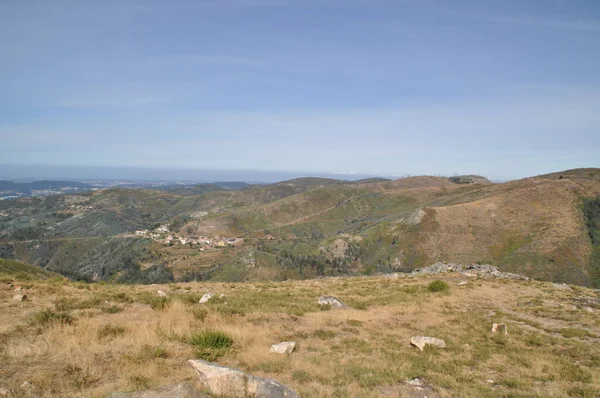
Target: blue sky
<point>505,88</point>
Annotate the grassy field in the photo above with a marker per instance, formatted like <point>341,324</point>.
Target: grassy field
<point>85,340</point>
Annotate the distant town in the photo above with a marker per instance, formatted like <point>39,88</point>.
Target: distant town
<point>163,235</point>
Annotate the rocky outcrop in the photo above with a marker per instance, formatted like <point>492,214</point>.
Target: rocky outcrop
<point>286,347</point>
<point>161,293</point>
<point>182,390</point>
<point>20,297</point>
<point>333,302</point>
<point>421,341</point>
<point>232,383</point>
<point>473,270</point>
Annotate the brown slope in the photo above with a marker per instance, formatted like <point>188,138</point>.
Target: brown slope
<point>532,226</point>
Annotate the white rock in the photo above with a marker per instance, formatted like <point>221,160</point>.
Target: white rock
<point>20,297</point>
<point>331,301</point>
<point>161,293</point>
<point>221,295</point>
<point>415,382</point>
<point>421,341</point>
<point>285,347</point>
<point>499,327</point>
<point>462,283</point>
<point>205,298</point>
<point>588,309</point>
<point>232,383</point>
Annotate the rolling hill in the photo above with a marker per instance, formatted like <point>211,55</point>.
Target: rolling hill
<point>311,227</point>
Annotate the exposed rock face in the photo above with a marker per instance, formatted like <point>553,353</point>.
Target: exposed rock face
<point>233,383</point>
<point>483,270</point>
<point>181,390</point>
<point>332,301</point>
<point>499,327</point>
<point>421,341</point>
<point>161,293</point>
<point>205,298</point>
<point>20,297</point>
<point>286,347</point>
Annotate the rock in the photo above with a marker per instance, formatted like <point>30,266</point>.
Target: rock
<point>490,381</point>
<point>421,341</point>
<point>9,286</point>
<point>473,270</point>
<point>233,383</point>
<point>285,347</point>
<point>3,392</point>
<point>462,283</point>
<point>20,297</point>
<point>415,382</point>
<point>181,390</point>
<point>18,289</point>
<point>499,327</point>
<point>221,295</point>
<point>205,298</point>
<point>588,309</point>
<point>28,387</point>
<point>561,286</point>
<point>161,293</point>
<point>331,301</point>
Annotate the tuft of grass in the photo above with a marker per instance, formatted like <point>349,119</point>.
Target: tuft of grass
<point>110,332</point>
<point>199,313</point>
<point>324,334</point>
<point>210,344</point>
<point>354,322</point>
<point>301,376</point>
<point>113,309</point>
<point>156,302</point>
<point>438,286</point>
<point>47,317</point>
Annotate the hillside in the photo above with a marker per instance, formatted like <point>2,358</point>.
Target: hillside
<point>310,227</point>
<point>87,340</point>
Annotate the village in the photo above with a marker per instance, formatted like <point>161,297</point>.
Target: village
<point>162,234</point>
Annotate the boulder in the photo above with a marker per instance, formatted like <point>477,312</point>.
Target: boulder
<point>421,341</point>
<point>161,293</point>
<point>285,347</point>
<point>331,301</point>
<point>499,327</point>
<point>232,383</point>
<point>20,297</point>
<point>181,390</point>
<point>205,298</point>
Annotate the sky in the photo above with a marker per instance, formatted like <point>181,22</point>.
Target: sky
<point>505,88</point>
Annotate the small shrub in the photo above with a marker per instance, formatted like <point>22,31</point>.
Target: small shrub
<point>573,332</point>
<point>210,344</point>
<point>47,317</point>
<point>199,313</point>
<point>110,331</point>
<point>113,309</point>
<point>438,286</point>
<point>354,322</point>
<point>140,382</point>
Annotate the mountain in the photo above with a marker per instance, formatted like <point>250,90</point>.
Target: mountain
<point>310,227</point>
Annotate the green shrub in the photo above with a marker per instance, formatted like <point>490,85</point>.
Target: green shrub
<point>210,344</point>
<point>438,286</point>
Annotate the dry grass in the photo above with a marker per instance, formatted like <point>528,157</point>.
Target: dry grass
<point>362,351</point>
